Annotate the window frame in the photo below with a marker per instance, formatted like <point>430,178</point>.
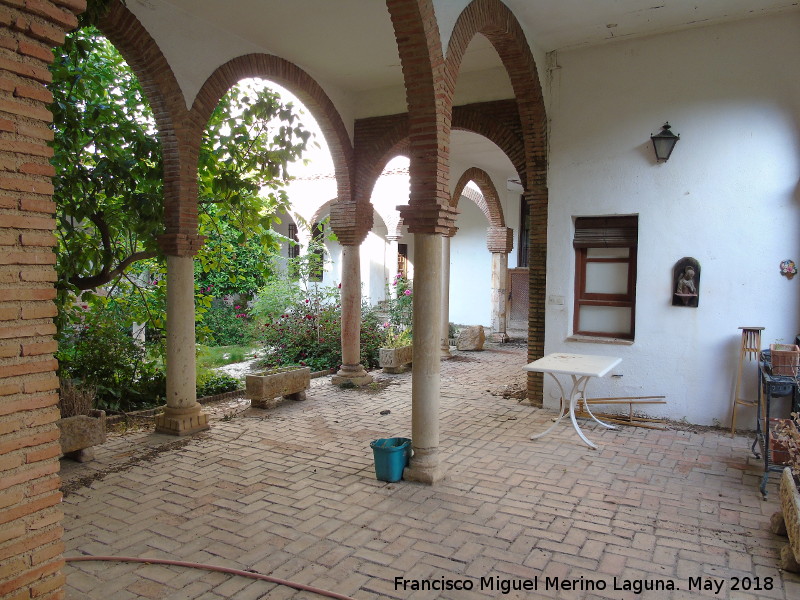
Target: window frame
<point>605,232</point>
<point>293,250</point>
<point>317,271</point>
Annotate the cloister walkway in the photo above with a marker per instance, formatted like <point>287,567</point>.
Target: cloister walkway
<point>291,492</point>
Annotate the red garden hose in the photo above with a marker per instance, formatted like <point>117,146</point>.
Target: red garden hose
<point>192,565</point>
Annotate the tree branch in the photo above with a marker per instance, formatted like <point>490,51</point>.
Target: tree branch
<point>89,283</point>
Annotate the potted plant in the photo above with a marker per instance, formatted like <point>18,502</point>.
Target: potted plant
<point>396,354</point>
<point>81,426</point>
<point>787,435</point>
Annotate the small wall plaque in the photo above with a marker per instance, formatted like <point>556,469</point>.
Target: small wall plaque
<point>686,282</point>
<point>788,268</point>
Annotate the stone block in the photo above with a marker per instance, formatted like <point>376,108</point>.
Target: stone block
<point>264,388</point>
<point>790,507</point>
<point>471,338</point>
<point>395,360</point>
<point>81,432</point>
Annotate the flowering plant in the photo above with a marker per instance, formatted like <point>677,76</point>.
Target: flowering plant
<point>396,339</point>
<point>308,332</point>
<point>400,300</point>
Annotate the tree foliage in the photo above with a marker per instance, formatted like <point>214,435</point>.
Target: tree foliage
<point>109,189</point>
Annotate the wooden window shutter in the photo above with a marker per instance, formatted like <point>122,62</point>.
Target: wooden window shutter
<point>606,232</point>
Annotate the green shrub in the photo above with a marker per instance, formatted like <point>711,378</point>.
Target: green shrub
<point>226,326</point>
<point>274,298</point>
<point>211,384</point>
<point>373,336</point>
<point>97,351</point>
<point>219,356</point>
<point>309,333</point>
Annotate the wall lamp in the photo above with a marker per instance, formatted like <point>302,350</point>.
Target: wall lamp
<point>664,142</point>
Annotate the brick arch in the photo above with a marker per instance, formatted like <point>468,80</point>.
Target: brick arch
<point>486,124</point>
<point>489,204</point>
<point>377,141</point>
<point>420,50</point>
<point>497,23</point>
<point>323,208</point>
<point>349,220</point>
<point>141,52</point>
<point>376,167</point>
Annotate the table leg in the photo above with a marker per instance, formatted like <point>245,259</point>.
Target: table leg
<point>589,410</point>
<point>561,414</point>
<point>577,390</point>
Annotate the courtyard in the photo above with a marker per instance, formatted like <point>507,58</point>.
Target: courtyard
<point>291,492</point>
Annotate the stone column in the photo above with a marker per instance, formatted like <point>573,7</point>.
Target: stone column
<point>499,296</point>
<point>500,241</point>
<point>351,372</point>
<point>392,255</point>
<point>446,296</point>
<point>183,415</point>
<point>425,464</point>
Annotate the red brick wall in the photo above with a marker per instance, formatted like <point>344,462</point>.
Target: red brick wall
<point>30,521</point>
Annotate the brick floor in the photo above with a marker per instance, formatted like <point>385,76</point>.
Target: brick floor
<point>291,492</point>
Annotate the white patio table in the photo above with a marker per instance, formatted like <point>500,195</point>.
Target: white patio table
<point>580,368</point>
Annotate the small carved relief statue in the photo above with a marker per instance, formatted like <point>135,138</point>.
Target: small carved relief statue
<point>686,282</point>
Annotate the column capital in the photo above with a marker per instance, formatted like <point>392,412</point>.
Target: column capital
<point>428,218</point>
<point>180,244</point>
<point>500,240</point>
<point>351,221</point>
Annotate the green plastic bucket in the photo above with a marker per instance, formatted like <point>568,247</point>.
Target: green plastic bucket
<point>391,457</point>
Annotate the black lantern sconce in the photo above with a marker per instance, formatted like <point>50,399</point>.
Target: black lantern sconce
<point>664,142</point>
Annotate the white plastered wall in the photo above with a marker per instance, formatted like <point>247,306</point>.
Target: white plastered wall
<point>471,261</point>
<point>728,197</point>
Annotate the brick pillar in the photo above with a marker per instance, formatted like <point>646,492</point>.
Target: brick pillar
<point>183,415</point>
<point>537,281</point>
<point>30,532</point>
<point>500,241</point>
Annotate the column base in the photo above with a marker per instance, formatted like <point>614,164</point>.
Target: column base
<point>499,337</point>
<point>445,352</point>
<point>182,421</point>
<point>424,466</point>
<point>351,375</point>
